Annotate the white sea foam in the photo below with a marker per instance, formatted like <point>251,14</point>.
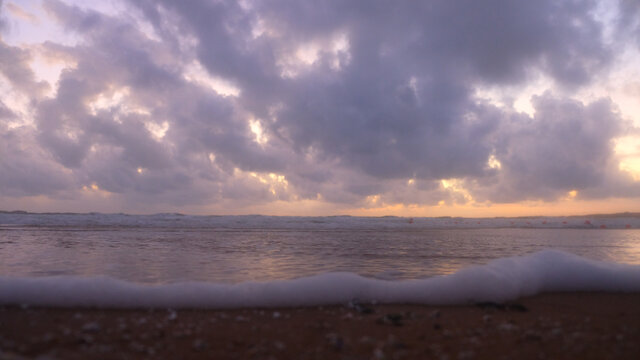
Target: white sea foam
<point>618,221</point>
<point>500,280</point>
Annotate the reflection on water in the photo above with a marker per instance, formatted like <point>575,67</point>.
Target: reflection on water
<point>158,255</point>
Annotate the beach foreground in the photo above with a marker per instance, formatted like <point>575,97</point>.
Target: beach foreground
<point>561,325</point>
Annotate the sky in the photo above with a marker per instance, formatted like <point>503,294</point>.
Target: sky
<point>407,108</point>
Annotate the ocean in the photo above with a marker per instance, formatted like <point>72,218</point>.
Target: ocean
<point>99,259</point>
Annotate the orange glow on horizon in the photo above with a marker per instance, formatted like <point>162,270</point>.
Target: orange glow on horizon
<point>565,207</point>
<point>317,207</point>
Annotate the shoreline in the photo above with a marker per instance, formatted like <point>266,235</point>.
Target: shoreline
<point>632,214</point>
<point>588,325</point>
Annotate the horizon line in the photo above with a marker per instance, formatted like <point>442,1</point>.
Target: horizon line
<point>596,215</point>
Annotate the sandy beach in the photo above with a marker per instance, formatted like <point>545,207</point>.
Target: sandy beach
<point>548,326</point>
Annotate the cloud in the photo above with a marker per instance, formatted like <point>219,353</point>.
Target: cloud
<point>402,105</point>
<point>5,112</point>
<point>362,103</point>
<point>126,120</point>
<point>14,68</point>
<point>628,23</point>
<point>17,11</point>
<point>565,146</point>
<point>2,21</point>
<point>26,170</point>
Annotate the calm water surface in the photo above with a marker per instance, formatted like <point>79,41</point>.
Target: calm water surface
<point>163,255</point>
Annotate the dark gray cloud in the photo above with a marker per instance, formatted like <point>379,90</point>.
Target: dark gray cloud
<point>629,19</point>
<point>5,112</point>
<point>498,40</point>
<point>26,170</point>
<point>15,68</point>
<point>566,146</point>
<point>400,107</point>
<point>382,108</point>
<point>14,65</point>
<point>113,145</point>
<point>2,20</point>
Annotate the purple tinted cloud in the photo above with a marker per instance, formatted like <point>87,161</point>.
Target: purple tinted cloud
<point>397,100</point>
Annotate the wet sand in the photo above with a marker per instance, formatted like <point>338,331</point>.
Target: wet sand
<point>549,326</point>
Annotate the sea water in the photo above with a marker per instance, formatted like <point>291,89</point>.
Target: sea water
<point>223,261</point>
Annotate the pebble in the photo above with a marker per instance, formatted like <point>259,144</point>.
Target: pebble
<point>556,331</point>
<point>85,339</point>
<point>359,307</point>
<point>378,354</point>
<point>198,345</point>
<point>473,340</point>
<point>394,343</point>
<point>335,341</point>
<point>391,319</point>
<point>105,349</point>
<point>91,327</point>
<point>366,340</point>
<point>532,336</point>
<point>137,347</point>
<point>48,337</point>
<point>435,314</point>
<point>507,327</point>
<point>66,331</point>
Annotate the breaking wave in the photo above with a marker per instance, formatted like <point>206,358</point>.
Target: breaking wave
<point>500,280</point>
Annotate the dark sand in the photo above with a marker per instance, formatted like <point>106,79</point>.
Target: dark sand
<point>550,326</point>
